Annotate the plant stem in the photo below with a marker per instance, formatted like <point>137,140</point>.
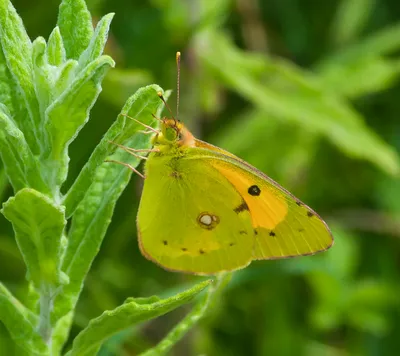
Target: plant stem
<point>46,305</point>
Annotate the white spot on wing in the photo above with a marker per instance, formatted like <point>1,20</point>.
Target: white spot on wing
<point>206,220</point>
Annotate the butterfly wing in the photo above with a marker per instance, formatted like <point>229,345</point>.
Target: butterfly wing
<point>186,221</point>
<point>284,226</point>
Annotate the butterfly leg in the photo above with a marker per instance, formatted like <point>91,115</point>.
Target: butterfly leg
<point>126,165</point>
<point>134,151</point>
<point>141,123</point>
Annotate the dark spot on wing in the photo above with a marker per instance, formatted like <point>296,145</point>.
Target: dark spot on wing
<point>300,230</point>
<point>202,252</point>
<point>241,207</point>
<point>232,244</point>
<point>254,190</point>
<point>242,232</point>
<point>310,214</point>
<point>271,233</point>
<point>255,232</point>
<point>184,249</point>
<point>165,242</point>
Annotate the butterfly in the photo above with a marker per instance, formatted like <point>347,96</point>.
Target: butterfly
<point>203,210</point>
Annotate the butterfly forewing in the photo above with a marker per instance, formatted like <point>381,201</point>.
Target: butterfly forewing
<point>284,226</point>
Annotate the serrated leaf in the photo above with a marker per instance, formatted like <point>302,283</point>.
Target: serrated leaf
<point>20,164</point>
<point>140,106</point>
<point>90,339</point>
<point>75,23</point>
<point>98,41</point>
<point>101,188</point>
<point>20,323</point>
<point>17,51</point>
<point>38,225</point>
<point>55,48</point>
<point>69,113</point>
<point>287,93</point>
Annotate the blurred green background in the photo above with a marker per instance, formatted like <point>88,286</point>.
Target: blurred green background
<point>308,92</point>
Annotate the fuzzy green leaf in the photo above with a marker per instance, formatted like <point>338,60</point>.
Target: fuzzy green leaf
<point>20,323</point>
<point>19,162</point>
<point>128,314</point>
<point>98,41</point>
<point>75,23</point>
<point>43,76</point>
<point>3,181</point>
<point>55,48</point>
<point>65,77</point>
<point>38,224</point>
<point>9,91</point>
<point>190,320</point>
<point>17,49</point>
<point>69,113</point>
<point>140,106</point>
<point>93,214</point>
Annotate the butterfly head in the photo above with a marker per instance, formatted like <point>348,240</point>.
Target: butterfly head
<point>173,133</point>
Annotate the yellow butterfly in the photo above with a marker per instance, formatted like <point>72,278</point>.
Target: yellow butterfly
<point>203,210</point>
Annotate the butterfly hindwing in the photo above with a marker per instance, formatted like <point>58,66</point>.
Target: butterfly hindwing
<point>186,221</point>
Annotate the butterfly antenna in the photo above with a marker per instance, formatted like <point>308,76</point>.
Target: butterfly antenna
<point>165,103</point>
<point>178,77</point>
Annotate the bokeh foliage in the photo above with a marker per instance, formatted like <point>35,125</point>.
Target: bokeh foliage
<point>309,93</point>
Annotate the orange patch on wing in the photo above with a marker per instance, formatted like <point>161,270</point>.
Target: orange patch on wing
<point>267,209</point>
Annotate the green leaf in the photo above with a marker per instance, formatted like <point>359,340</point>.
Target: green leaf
<point>38,224</point>
<point>9,91</point>
<point>98,41</point>
<point>60,332</point>
<point>55,48</point>
<point>191,319</point>
<point>361,76</point>
<point>383,42</point>
<point>288,93</point>
<point>65,77</point>
<point>20,323</point>
<point>75,23</point>
<point>128,314</point>
<point>94,212</point>
<point>17,51</point>
<point>20,164</point>
<point>75,104</point>
<point>140,106</point>
<point>3,181</point>
<point>43,77</point>
<point>351,18</point>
